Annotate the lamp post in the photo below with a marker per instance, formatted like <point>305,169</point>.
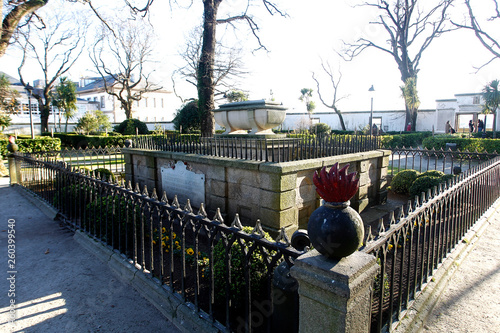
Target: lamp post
<point>28,92</point>
<point>371,91</point>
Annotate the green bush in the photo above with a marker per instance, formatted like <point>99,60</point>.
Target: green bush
<point>422,184</point>
<point>432,173</point>
<point>320,128</point>
<point>79,141</point>
<point>129,126</point>
<point>32,145</point>
<point>404,139</point>
<point>258,271</point>
<point>108,175</point>
<point>472,144</point>
<point>403,180</point>
<point>188,117</point>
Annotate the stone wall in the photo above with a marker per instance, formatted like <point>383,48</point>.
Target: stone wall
<point>281,195</point>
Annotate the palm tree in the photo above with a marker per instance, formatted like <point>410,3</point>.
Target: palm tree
<point>410,95</point>
<point>491,97</point>
<point>65,99</point>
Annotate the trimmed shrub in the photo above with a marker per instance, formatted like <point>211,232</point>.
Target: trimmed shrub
<point>32,145</point>
<point>78,141</point>
<point>257,271</point>
<point>129,126</point>
<point>481,145</point>
<point>320,128</point>
<point>188,117</point>
<point>422,184</point>
<point>432,173</point>
<point>404,139</point>
<point>447,177</point>
<point>108,175</point>
<point>403,180</point>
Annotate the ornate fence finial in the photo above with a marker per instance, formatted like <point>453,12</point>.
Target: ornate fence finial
<point>335,229</point>
<point>236,222</point>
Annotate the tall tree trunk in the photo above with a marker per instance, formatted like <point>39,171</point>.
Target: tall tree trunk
<point>44,116</point>
<point>206,68</point>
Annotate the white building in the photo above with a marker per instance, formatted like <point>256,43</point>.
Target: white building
<point>459,111</point>
<point>154,107</point>
<point>21,119</point>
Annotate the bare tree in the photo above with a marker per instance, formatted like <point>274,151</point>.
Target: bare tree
<point>486,38</point>
<point>120,60</point>
<point>410,30</point>
<point>14,13</point>
<point>335,87</point>
<point>55,48</point>
<point>205,86</point>
<point>228,64</point>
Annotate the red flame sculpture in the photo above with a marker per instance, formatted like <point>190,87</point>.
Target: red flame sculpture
<point>336,185</point>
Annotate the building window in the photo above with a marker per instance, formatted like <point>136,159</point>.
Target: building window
<point>476,100</point>
<point>95,99</point>
<point>103,102</point>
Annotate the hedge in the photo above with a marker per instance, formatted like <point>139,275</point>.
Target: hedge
<point>404,139</point>
<point>77,141</point>
<point>32,145</point>
<point>472,144</point>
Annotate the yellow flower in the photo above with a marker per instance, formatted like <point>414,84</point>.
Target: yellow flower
<point>174,235</point>
<point>190,251</point>
<point>154,242</point>
<point>166,250</point>
<point>390,246</point>
<point>166,238</point>
<point>163,244</point>
<point>176,243</point>
<point>163,230</point>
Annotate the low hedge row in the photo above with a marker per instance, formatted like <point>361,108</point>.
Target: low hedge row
<point>77,141</point>
<point>31,145</point>
<point>472,144</point>
<point>404,139</point>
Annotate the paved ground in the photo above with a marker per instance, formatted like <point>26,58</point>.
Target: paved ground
<point>58,285</point>
<point>471,303</point>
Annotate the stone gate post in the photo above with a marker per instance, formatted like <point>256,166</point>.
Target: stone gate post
<point>334,295</point>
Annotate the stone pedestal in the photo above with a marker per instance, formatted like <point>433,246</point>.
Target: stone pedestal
<point>334,295</point>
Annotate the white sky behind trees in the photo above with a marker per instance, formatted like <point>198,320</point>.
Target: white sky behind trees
<point>298,43</point>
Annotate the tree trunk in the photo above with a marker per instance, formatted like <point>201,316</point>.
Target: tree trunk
<point>44,116</point>
<point>206,68</point>
<point>12,19</point>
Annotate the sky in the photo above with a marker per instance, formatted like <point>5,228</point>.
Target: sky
<point>296,44</point>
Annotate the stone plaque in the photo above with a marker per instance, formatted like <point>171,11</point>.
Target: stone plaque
<point>178,179</point>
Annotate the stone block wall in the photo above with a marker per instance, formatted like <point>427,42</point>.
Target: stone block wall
<point>281,195</point>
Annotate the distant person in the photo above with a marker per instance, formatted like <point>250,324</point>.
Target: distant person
<point>471,126</point>
<point>480,126</point>
<point>374,129</point>
<point>447,127</point>
<point>408,127</point>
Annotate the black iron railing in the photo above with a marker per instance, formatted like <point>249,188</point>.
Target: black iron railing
<point>265,149</point>
<point>224,271</point>
<point>436,159</point>
<point>110,158</point>
<point>413,241</point>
